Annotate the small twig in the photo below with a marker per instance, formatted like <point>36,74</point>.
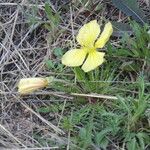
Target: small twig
<point>68,144</point>
<point>61,94</point>
<point>95,96</point>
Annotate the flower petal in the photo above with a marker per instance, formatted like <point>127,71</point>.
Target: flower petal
<point>28,85</point>
<point>93,60</point>
<point>105,35</point>
<point>88,34</point>
<point>74,57</point>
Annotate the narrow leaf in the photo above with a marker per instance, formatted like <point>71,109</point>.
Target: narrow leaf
<point>49,12</point>
<point>130,8</point>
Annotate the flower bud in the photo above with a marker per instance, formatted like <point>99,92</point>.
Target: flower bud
<point>28,85</point>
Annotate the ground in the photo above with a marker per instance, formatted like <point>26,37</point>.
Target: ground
<point>32,41</point>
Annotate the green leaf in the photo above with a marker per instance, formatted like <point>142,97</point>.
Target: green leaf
<point>67,123</point>
<point>130,8</point>
<point>85,135</point>
<point>58,52</point>
<point>49,64</point>
<point>132,144</point>
<point>79,73</point>
<point>103,143</point>
<point>49,13</point>
<point>141,140</point>
<point>101,139</point>
<point>53,17</point>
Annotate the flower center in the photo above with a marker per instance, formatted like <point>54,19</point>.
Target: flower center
<point>91,49</point>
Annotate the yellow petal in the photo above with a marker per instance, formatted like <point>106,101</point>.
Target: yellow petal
<point>105,35</point>
<point>88,34</point>
<point>74,57</point>
<point>28,85</point>
<point>93,60</point>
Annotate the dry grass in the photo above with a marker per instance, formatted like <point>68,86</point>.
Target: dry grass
<point>23,51</point>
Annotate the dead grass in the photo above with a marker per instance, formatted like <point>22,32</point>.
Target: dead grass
<point>23,51</point>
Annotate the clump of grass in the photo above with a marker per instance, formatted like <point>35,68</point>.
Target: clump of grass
<point>122,123</point>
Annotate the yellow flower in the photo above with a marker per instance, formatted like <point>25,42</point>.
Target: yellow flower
<point>88,54</point>
<point>28,85</point>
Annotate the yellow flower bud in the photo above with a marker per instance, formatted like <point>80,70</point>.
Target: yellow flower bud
<point>28,85</point>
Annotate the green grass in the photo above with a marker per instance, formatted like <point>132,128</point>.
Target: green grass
<point>102,123</point>
<point>95,123</point>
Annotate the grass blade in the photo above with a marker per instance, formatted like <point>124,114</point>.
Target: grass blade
<point>130,8</point>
